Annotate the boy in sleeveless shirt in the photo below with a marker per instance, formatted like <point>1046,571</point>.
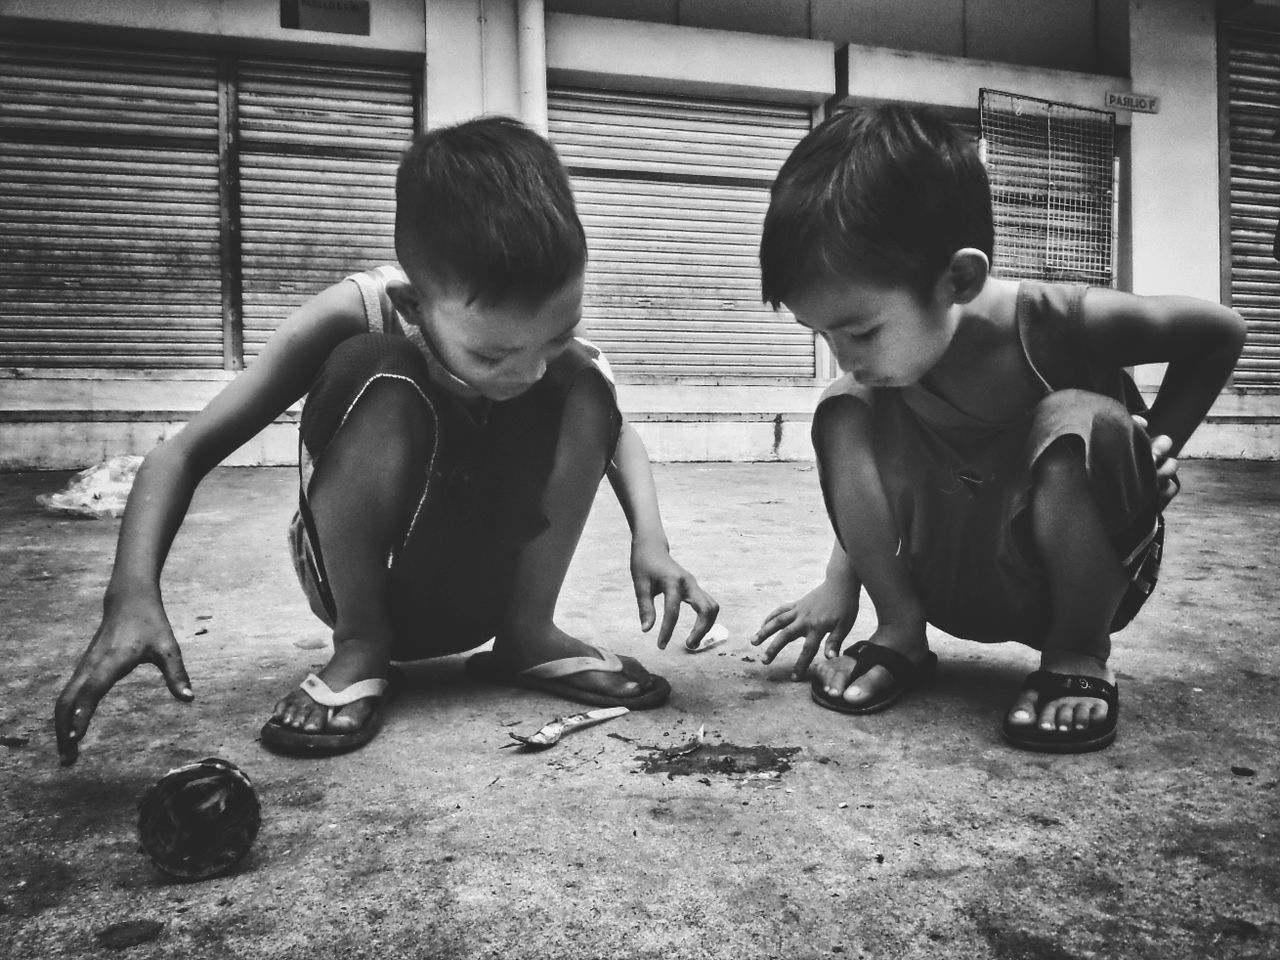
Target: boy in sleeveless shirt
<point>987,464</point>
<point>453,437</point>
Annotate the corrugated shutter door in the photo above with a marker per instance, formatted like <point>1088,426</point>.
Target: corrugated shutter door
<point>672,192</point>
<point>320,143</point>
<point>108,208</point>
<point>1254,110</point>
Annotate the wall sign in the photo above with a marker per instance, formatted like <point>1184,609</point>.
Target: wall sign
<point>327,16</point>
<point>1137,102</point>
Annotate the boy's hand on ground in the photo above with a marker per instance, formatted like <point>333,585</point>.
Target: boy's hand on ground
<point>827,611</point>
<point>121,643</point>
<point>654,572</point>
<point>1167,483</point>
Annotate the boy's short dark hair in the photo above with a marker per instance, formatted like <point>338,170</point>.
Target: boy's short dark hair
<point>885,193</point>
<point>487,205</point>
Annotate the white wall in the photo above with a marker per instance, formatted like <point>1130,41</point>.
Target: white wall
<point>471,61</point>
<point>1174,153</point>
<point>394,25</point>
<point>656,57</point>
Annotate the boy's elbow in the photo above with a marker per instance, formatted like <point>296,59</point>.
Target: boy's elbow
<point>177,457</point>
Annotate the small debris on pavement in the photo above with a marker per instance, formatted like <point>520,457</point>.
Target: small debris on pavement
<point>699,757</point>
<point>550,733</point>
<point>98,492</point>
<point>1240,771</point>
<point>717,635</point>
<point>688,747</point>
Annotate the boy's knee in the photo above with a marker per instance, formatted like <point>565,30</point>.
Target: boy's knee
<point>1095,437</point>
<point>1061,464</point>
<point>357,359</point>
<point>1085,408</point>
<point>393,405</point>
<point>369,370</point>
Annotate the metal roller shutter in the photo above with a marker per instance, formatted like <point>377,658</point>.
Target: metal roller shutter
<point>672,192</point>
<point>1254,118</point>
<point>108,208</point>
<point>319,146</point>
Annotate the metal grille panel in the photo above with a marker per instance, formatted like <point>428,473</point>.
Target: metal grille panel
<point>1052,171</point>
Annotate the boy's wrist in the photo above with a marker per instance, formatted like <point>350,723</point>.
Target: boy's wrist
<point>124,592</point>
<point>650,539</point>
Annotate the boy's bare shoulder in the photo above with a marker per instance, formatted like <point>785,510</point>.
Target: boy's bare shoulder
<point>337,311</point>
<point>846,386</point>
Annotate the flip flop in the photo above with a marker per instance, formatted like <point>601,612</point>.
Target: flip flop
<point>300,743</point>
<point>1054,686</point>
<point>555,677</point>
<point>906,675</point>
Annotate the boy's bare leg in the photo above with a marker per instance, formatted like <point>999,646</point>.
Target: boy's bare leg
<point>1086,585</point>
<point>528,635</point>
<point>362,497</point>
<point>852,481</point>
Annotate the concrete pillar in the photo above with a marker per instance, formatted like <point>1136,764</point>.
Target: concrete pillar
<point>1174,153</point>
<point>471,62</point>
<point>531,54</point>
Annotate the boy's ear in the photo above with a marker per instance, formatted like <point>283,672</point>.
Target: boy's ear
<point>404,297</point>
<point>968,274</point>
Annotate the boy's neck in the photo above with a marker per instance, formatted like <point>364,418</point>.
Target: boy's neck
<point>468,395</point>
<point>984,352</point>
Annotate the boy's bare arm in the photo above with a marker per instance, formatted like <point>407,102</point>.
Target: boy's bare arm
<point>134,627</point>
<point>653,571</point>
<point>1200,341</point>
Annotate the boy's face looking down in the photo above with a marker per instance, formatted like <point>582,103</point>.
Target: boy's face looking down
<point>499,350</point>
<point>887,335</point>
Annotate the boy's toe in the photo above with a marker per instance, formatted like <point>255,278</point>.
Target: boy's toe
<point>348,718</point>
<point>1023,711</point>
<point>313,720</point>
<point>868,686</point>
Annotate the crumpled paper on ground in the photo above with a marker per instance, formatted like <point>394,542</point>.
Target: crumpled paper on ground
<point>98,492</point>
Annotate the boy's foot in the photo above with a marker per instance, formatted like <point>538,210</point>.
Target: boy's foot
<point>554,662</point>
<point>872,674</point>
<point>1069,705</point>
<point>352,662</point>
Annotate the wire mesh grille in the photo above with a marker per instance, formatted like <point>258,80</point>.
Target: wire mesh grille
<point>1053,191</point>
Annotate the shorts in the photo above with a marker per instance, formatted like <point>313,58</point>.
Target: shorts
<point>961,509</point>
<point>481,499</point>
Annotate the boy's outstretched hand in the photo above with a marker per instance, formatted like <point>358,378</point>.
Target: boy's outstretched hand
<point>654,572</point>
<point>124,640</point>
<point>827,611</point>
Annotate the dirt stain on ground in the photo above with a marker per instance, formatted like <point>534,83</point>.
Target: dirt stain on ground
<point>724,758</point>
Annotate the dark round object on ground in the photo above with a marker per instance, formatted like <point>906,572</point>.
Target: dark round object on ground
<point>199,820</point>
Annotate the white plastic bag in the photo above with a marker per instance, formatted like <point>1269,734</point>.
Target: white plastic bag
<point>97,492</point>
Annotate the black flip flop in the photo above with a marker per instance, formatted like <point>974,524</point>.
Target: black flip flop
<point>906,676</point>
<point>556,678</point>
<point>1054,686</point>
<point>299,743</point>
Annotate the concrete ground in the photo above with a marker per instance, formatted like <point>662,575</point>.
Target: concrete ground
<point>913,833</point>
